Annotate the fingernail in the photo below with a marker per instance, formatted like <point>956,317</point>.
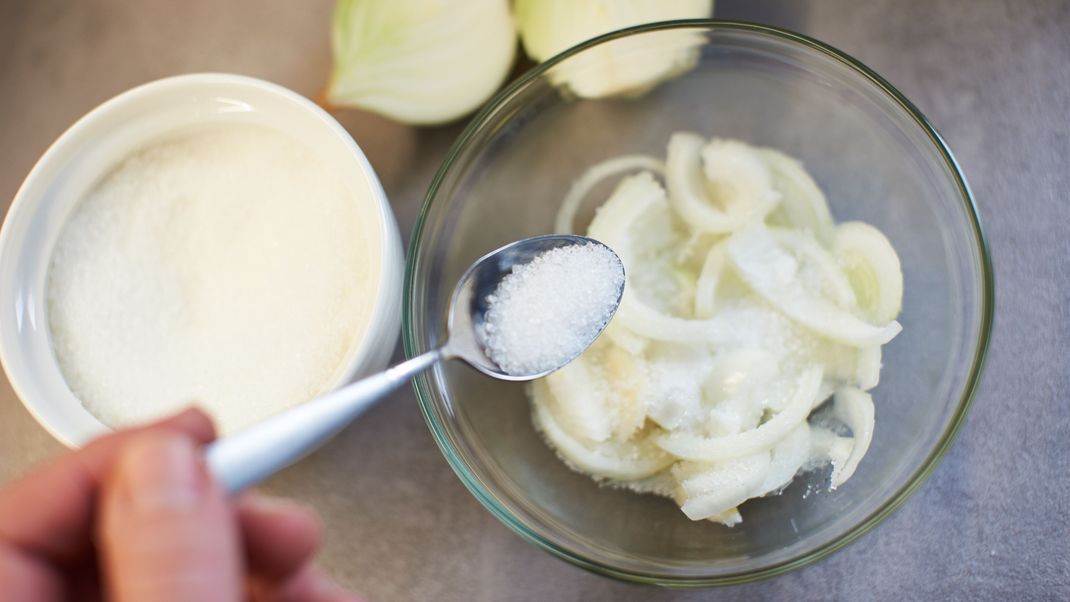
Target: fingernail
<point>275,505</point>
<point>193,412</point>
<point>161,474</point>
<point>192,420</point>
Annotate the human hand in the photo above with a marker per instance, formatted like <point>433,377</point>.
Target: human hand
<point>135,516</point>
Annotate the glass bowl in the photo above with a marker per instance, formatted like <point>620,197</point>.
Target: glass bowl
<point>878,160</point>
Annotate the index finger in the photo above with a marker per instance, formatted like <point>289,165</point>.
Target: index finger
<point>49,512</point>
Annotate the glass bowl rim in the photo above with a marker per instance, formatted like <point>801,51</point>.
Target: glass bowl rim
<point>924,470</point>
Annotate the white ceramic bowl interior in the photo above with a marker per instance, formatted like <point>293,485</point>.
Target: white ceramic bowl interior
<point>99,141</point>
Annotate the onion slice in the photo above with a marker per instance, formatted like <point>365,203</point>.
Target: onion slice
<point>855,408</point>
<point>626,461</point>
<point>565,221</point>
<point>745,309</point>
<point>748,193</point>
<point>707,490</point>
<point>788,457</point>
<point>771,272</point>
<point>708,278</point>
<point>763,438</point>
<point>827,446</point>
<point>872,267</point>
<point>803,245</point>
<point>634,197</point>
<point>579,401</point>
<point>802,204</point>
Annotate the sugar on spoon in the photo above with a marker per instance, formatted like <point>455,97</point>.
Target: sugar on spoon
<point>479,333</point>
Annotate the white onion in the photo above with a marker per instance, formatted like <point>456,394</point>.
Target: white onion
<point>803,205</point>
<point>624,66</point>
<point>622,461</point>
<point>872,267</point>
<point>855,409</point>
<point>420,61</point>
<point>749,196</point>
<point>763,438</point>
<point>565,222</point>
<point>730,333</point>
<point>770,272</point>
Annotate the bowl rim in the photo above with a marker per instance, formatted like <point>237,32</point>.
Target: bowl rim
<point>364,353</point>
<point>921,474</point>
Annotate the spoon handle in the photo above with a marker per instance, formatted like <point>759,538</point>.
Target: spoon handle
<point>252,454</point>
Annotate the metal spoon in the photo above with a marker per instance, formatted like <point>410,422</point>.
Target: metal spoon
<point>247,457</point>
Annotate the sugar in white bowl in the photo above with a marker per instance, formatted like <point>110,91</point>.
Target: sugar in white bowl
<point>229,267</point>
<point>272,275</point>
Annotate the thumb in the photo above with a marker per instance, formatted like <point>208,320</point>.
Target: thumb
<point>166,529</point>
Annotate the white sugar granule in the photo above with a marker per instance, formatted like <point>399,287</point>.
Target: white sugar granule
<point>227,267</point>
<point>549,310</point>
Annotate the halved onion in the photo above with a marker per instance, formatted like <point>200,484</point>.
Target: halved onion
<point>623,66</point>
<point>419,61</point>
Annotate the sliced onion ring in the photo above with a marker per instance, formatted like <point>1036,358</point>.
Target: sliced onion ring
<point>769,271</point>
<point>855,408</point>
<point>564,223</point>
<point>685,180</point>
<point>763,438</point>
<point>612,460</point>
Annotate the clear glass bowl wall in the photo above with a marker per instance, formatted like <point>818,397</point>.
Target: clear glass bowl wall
<point>876,158</point>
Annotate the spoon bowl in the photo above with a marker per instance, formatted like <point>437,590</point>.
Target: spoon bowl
<point>469,304</point>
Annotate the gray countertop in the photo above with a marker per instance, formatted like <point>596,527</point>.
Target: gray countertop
<point>994,77</point>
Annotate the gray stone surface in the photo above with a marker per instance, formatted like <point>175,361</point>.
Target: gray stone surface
<point>994,77</point>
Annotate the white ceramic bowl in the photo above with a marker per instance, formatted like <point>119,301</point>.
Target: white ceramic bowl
<point>101,139</point>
